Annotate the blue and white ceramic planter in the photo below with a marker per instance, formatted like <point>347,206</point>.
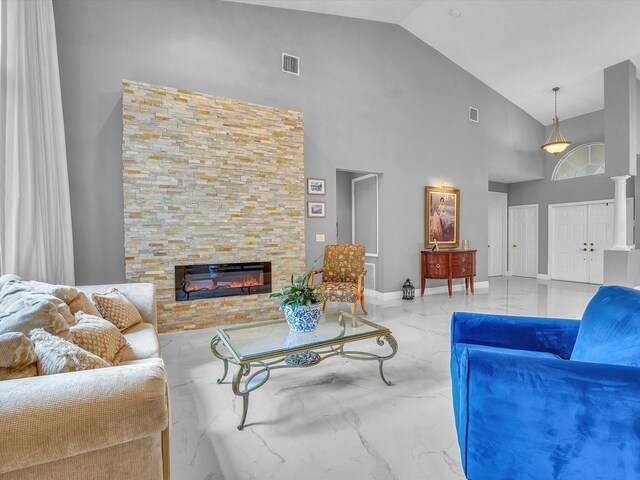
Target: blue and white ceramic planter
<point>303,319</point>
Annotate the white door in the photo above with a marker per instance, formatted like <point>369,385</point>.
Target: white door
<point>497,233</point>
<point>523,240</point>
<point>570,252</point>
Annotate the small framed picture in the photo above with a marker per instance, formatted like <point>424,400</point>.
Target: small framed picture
<point>316,209</point>
<point>315,186</point>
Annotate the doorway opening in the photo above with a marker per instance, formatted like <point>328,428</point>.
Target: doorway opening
<point>358,217</point>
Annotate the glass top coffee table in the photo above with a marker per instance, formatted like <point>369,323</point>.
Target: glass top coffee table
<point>270,345</point>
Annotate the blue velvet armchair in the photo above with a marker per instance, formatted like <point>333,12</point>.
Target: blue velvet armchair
<point>543,398</point>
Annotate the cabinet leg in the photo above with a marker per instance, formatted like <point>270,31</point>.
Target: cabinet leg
<point>449,284</point>
<point>422,286</point>
<point>471,283</point>
<point>466,283</point>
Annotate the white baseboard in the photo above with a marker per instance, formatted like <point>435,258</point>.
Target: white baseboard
<point>387,296</point>
<point>371,293</point>
<point>455,288</point>
<point>384,296</point>
<point>543,276</point>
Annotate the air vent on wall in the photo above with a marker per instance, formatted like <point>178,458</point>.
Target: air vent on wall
<point>290,64</point>
<point>473,114</point>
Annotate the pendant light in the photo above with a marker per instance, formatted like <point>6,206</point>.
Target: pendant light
<point>556,143</point>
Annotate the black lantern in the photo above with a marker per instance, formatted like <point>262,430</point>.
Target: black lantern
<point>408,292</point>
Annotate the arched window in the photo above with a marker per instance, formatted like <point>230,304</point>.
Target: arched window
<point>582,161</point>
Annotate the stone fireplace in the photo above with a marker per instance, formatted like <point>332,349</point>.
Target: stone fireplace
<point>209,183</point>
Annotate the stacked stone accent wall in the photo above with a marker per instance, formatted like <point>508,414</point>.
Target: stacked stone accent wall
<point>209,180</point>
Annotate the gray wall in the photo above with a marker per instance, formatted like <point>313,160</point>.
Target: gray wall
<point>579,130</point>
<point>375,98</point>
<point>498,187</point>
<point>621,123</point>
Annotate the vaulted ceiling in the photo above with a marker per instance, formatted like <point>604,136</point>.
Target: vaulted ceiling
<point>520,48</point>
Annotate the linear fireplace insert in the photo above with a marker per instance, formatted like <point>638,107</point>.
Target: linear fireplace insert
<point>215,280</point>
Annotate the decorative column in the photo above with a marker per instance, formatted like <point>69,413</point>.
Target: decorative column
<point>620,214</point>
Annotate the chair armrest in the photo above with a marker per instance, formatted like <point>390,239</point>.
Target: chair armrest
<point>51,417</point>
<point>313,274</point>
<point>553,335</point>
<point>534,417</point>
<point>361,279</point>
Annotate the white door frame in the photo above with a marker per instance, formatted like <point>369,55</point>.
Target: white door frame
<point>353,213</point>
<point>372,275</point>
<point>505,230</point>
<point>509,243</point>
<point>551,230</point>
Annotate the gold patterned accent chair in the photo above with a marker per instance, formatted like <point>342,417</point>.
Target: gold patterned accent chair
<point>342,275</point>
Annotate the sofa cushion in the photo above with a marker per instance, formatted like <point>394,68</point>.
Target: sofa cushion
<point>116,308</point>
<point>33,313</point>
<point>56,355</point>
<point>338,291</point>
<point>99,336</point>
<point>143,342</point>
<point>14,292</point>
<point>71,296</point>
<point>610,328</point>
<point>8,277</point>
<point>81,303</point>
<point>63,292</point>
<point>17,357</point>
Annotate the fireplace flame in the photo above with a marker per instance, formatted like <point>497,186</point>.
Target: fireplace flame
<point>198,285</point>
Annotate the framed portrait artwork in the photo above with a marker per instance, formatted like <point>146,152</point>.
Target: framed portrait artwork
<point>316,209</point>
<point>442,217</point>
<point>316,186</point>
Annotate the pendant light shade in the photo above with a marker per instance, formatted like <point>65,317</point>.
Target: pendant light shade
<point>556,143</point>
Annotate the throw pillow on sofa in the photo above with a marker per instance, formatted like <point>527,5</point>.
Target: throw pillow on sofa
<point>116,308</point>
<point>14,292</point>
<point>17,357</point>
<point>8,277</point>
<point>100,337</point>
<point>81,303</point>
<point>34,313</point>
<point>71,296</point>
<point>63,292</point>
<point>56,355</point>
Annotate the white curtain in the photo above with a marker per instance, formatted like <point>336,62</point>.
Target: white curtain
<point>36,240</point>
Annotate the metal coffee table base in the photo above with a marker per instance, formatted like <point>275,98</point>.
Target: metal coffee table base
<point>243,384</point>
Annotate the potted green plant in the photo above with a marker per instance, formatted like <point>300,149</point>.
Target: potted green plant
<point>301,304</point>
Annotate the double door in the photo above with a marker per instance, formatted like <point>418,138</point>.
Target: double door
<point>581,234</point>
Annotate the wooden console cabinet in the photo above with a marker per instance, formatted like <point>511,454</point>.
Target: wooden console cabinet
<point>448,264</point>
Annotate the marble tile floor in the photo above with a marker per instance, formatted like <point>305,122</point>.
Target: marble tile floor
<point>338,420</point>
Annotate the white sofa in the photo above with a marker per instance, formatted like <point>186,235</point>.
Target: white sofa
<point>104,424</point>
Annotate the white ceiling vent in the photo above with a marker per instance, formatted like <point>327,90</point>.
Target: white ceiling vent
<point>290,64</point>
<point>473,114</point>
